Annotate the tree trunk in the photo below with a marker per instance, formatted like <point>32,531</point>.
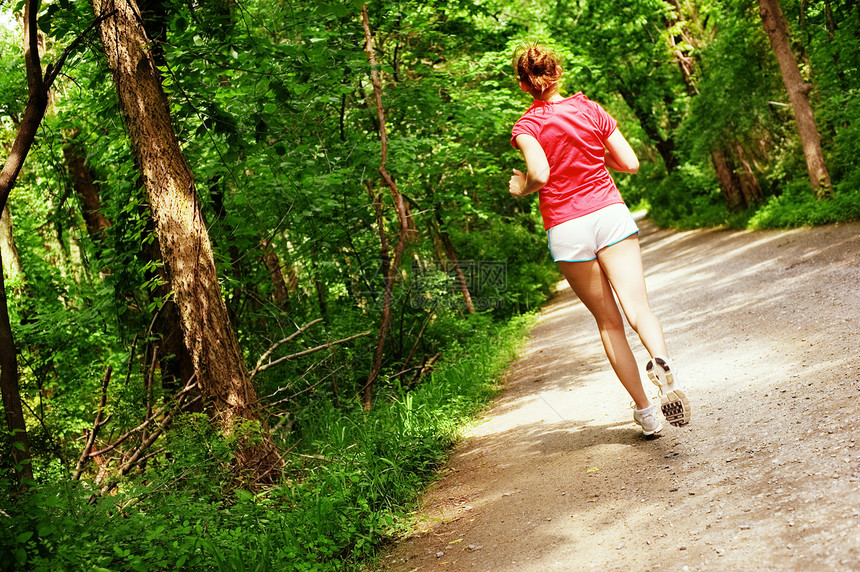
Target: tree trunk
<point>280,291</point>
<point>749,182</point>
<point>399,207</point>
<point>11,393</point>
<point>174,359</point>
<point>38,87</point>
<point>9,388</point>
<point>798,93</point>
<point>88,191</point>
<point>461,277</point>
<point>34,111</point>
<point>648,120</point>
<point>8,250</point>
<point>728,181</point>
<point>451,254</point>
<point>186,248</point>
<point>319,286</point>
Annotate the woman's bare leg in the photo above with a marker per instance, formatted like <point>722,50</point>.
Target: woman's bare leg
<point>622,264</point>
<point>591,285</point>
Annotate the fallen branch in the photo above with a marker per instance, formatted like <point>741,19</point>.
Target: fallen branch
<point>143,425</point>
<point>137,456</point>
<point>302,353</point>
<point>276,345</point>
<point>427,367</point>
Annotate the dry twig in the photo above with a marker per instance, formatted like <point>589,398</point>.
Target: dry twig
<point>97,424</point>
<point>278,344</point>
<point>260,367</point>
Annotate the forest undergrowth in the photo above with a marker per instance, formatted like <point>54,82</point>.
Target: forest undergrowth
<point>349,485</point>
<point>793,207</point>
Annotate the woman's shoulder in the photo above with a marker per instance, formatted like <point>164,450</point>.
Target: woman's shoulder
<point>578,99</point>
<point>581,103</point>
<point>537,112</point>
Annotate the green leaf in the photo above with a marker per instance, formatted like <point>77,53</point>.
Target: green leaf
<point>45,530</point>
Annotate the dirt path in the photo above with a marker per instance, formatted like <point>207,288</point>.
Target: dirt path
<point>764,329</point>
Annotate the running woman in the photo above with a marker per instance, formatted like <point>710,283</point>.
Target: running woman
<point>568,143</point>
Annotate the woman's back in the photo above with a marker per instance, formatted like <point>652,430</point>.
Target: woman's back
<point>571,132</point>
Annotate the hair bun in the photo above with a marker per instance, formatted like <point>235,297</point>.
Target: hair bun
<point>537,66</point>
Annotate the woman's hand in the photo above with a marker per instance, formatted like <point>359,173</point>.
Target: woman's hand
<point>517,184</point>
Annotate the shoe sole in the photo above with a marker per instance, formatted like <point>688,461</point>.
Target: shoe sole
<point>673,402</point>
<point>675,408</point>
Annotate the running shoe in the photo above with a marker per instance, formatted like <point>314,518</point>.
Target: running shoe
<point>673,401</point>
<point>648,420</point>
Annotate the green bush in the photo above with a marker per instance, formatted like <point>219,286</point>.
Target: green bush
<point>798,207</point>
<point>691,198</point>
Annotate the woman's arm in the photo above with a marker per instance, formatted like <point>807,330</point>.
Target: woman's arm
<point>537,167</point>
<point>619,154</point>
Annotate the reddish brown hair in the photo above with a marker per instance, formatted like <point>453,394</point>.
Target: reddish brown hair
<point>537,66</point>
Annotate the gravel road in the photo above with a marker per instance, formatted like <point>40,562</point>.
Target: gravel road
<point>765,336</point>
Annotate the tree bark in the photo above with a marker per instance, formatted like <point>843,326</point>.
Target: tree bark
<point>8,250</point>
<point>280,291</point>
<point>451,254</point>
<point>38,87</point>
<point>777,31</point>
<point>186,248</point>
<point>749,182</point>
<point>728,180</point>
<point>34,111</point>
<point>11,392</point>
<point>177,366</point>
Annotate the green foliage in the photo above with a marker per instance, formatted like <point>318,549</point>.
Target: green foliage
<point>798,207</point>
<point>13,89</point>
<point>690,198</point>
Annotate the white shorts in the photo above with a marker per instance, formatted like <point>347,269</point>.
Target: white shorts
<point>580,239</point>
